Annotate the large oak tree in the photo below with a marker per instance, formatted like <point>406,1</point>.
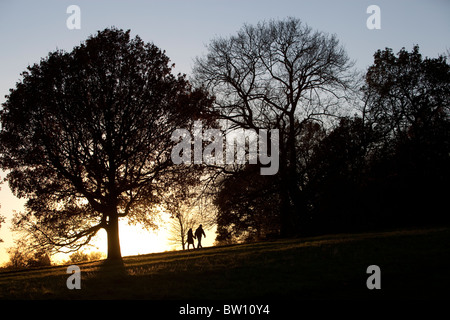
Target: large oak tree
<point>86,138</point>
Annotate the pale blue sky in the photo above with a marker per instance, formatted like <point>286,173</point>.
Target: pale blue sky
<point>31,29</point>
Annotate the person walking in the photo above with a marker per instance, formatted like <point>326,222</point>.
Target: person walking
<point>190,239</point>
<point>198,233</point>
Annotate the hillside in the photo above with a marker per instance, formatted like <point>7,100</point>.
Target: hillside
<point>414,264</point>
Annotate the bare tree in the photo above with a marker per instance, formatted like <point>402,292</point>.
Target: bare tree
<point>183,219</point>
<point>188,207</point>
<point>86,137</point>
<point>278,75</point>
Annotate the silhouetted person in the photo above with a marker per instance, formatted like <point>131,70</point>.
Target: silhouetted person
<point>190,238</point>
<point>198,233</point>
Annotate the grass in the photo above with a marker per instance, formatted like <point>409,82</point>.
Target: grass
<point>414,264</point>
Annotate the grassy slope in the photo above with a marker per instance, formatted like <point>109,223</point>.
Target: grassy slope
<point>414,264</point>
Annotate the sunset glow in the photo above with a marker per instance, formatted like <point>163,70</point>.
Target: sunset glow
<point>135,240</point>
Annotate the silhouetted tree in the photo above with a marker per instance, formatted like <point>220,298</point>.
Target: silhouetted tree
<point>185,202</point>
<point>406,93</point>
<point>80,256</point>
<point>86,136</point>
<point>184,213</point>
<point>408,105</point>
<point>22,256</point>
<point>388,167</point>
<point>277,75</point>
<point>248,206</point>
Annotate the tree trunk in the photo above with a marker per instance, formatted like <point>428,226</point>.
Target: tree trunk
<point>113,237</point>
<point>293,207</point>
<point>286,227</point>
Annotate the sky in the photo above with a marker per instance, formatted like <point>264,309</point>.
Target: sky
<point>29,30</point>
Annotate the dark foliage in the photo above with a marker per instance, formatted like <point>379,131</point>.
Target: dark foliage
<point>388,167</point>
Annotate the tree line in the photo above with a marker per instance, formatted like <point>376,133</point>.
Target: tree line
<point>356,153</point>
<point>86,138</point>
